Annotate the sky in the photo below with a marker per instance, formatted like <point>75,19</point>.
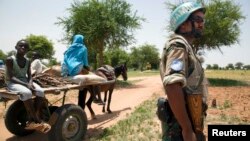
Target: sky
<point>20,18</point>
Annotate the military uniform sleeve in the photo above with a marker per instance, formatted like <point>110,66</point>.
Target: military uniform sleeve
<point>175,63</point>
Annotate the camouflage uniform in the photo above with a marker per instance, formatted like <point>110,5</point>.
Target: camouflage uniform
<point>180,64</point>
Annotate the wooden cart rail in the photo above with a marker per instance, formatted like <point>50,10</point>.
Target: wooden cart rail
<point>4,93</point>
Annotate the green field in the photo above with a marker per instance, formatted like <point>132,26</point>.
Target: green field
<point>228,77</point>
<point>215,77</point>
<point>226,74</point>
<point>240,75</point>
<point>143,73</point>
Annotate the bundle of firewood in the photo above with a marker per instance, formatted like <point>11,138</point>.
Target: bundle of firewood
<point>2,81</point>
<point>47,80</point>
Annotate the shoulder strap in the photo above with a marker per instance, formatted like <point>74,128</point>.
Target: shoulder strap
<point>180,42</point>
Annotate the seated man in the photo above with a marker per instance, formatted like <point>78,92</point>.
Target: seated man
<point>36,65</point>
<point>18,79</point>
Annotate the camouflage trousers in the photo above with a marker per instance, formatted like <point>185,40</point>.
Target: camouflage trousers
<point>171,131</point>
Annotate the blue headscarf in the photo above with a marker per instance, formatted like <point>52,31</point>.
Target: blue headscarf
<point>75,57</point>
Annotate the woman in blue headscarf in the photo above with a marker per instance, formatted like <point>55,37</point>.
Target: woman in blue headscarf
<point>75,57</point>
<point>75,64</point>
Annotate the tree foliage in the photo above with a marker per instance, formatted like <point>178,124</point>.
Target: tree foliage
<point>209,67</point>
<point>238,65</point>
<point>247,67</point>
<point>104,23</point>
<point>42,45</point>
<point>230,66</point>
<point>145,54</point>
<point>116,56</point>
<point>223,19</point>
<point>215,66</point>
<point>3,56</point>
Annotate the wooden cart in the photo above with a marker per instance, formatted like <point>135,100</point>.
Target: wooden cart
<point>68,121</point>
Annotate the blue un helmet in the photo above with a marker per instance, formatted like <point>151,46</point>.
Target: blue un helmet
<point>182,12</point>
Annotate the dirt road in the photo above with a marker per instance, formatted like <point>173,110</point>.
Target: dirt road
<point>124,100</point>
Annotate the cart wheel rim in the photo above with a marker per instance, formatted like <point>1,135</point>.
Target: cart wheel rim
<point>71,127</point>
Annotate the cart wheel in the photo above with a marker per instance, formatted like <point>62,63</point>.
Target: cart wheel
<point>69,123</point>
<point>16,118</point>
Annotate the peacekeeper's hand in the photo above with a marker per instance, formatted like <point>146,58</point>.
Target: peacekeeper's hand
<point>189,135</point>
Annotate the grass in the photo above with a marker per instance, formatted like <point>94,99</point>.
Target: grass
<point>240,75</point>
<point>224,119</point>
<point>226,82</point>
<point>143,73</point>
<point>141,125</point>
<point>215,77</point>
<point>226,104</point>
<point>228,77</point>
<point>123,84</point>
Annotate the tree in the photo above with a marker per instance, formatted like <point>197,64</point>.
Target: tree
<point>104,23</point>
<point>134,62</point>
<point>42,45</point>
<point>209,67</point>
<point>52,62</point>
<point>238,65</point>
<point>215,66</point>
<point>222,24</point>
<point>230,66</point>
<point>116,56</point>
<point>2,55</point>
<point>145,54</point>
<point>247,67</point>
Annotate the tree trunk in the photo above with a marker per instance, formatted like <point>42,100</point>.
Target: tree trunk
<point>100,53</point>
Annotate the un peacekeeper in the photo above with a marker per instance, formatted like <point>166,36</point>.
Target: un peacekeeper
<point>183,77</point>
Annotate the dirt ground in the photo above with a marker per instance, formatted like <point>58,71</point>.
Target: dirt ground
<point>232,107</point>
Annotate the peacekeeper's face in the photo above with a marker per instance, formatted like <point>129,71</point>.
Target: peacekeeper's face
<point>197,18</point>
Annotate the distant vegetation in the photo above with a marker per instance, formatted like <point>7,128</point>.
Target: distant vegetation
<point>230,66</point>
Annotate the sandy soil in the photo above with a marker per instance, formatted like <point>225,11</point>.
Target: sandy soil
<point>125,100</point>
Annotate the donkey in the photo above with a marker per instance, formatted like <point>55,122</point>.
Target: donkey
<point>109,75</point>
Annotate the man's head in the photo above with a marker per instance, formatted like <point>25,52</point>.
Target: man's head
<point>35,55</point>
<point>22,46</point>
<point>188,19</point>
